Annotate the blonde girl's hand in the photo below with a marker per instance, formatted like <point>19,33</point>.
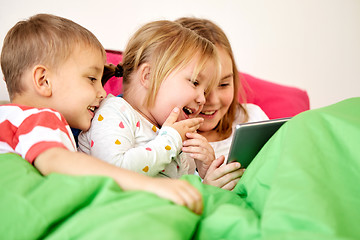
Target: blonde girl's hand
<point>223,176</point>
<point>178,191</point>
<point>200,149</point>
<point>184,126</point>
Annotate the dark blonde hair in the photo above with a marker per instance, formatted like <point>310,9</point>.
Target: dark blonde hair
<point>166,46</point>
<point>216,35</point>
<point>41,39</point>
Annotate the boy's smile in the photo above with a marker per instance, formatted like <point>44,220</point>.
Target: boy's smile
<point>92,110</point>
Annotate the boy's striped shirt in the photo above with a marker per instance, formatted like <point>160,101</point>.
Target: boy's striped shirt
<point>29,131</point>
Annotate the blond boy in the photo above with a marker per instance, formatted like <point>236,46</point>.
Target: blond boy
<point>53,68</point>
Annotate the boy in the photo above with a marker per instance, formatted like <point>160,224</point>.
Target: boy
<point>53,68</point>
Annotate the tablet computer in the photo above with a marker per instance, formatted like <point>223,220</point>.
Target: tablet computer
<point>249,138</point>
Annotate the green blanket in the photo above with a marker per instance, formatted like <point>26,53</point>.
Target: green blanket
<point>302,185</point>
<point>66,207</point>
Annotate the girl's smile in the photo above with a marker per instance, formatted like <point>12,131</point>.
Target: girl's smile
<point>180,90</point>
<point>208,114</point>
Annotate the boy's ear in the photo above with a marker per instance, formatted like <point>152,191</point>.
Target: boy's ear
<point>145,75</point>
<point>41,82</point>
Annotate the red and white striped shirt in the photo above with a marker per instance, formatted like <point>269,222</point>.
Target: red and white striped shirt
<point>29,131</point>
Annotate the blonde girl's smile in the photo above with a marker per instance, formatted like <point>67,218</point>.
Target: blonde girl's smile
<point>208,113</point>
<point>191,112</point>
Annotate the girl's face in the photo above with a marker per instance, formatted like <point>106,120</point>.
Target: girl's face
<point>179,90</point>
<point>77,88</point>
<point>219,99</point>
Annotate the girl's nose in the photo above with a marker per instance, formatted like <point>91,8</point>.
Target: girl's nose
<point>201,98</point>
<point>211,97</point>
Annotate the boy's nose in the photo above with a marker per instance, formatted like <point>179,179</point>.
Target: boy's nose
<point>101,93</point>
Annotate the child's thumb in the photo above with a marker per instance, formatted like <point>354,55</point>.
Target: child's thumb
<point>173,116</point>
<point>217,163</point>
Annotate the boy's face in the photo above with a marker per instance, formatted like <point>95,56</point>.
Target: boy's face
<point>76,87</point>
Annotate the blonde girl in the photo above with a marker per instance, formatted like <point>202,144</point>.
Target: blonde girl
<point>222,111</point>
<point>167,70</point>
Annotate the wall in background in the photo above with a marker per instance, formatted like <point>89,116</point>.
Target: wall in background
<point>313,45</point>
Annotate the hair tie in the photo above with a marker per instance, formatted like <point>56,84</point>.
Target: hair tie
<point>119,71</point>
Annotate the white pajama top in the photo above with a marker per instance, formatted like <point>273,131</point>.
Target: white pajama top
<point>123,137</point>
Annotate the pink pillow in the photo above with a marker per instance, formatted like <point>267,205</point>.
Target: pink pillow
<point>276,100</point>
<point>114,84</point>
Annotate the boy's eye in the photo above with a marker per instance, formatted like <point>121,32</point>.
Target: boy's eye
<point>92,79</point>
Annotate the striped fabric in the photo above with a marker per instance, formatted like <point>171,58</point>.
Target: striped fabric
<point>29,131</point>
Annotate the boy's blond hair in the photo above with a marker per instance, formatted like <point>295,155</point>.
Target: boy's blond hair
<point>42,39</point>
<point>167,46</point>
<point>216,35</point>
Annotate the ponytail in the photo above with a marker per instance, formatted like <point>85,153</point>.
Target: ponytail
<point>110,71</point>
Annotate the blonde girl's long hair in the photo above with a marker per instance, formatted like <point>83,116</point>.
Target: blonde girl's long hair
<point>216,35</point>
<point>166,46</point>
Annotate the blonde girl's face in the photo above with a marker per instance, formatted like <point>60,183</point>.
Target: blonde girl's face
<point>179,90</point>
<point>220,98</point>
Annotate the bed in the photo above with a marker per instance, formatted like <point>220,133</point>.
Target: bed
<point>303,184</point>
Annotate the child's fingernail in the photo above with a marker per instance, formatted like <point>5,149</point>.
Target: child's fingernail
<point>176,109</point>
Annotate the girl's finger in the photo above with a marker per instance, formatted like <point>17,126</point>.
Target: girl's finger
<point>173,116</point>
<point>195,136</point>
<point>223,170</point>
<point>230,185</point>
<point>196,142</point>
<point>193,149</point>
<point>214,166</point>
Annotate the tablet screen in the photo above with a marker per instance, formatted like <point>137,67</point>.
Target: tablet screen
<point>249,138</point>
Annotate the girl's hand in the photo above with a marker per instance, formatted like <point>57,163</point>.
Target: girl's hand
<point>199,149</point>
<point>178,191</point>
<point>223,176</point>
<point>184,126</point>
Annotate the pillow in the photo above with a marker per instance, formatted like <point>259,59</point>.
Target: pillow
<point>114,84</point>
<point>276,100</point>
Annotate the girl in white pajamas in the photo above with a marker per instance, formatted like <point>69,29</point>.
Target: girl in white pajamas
<point>167,70</point>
